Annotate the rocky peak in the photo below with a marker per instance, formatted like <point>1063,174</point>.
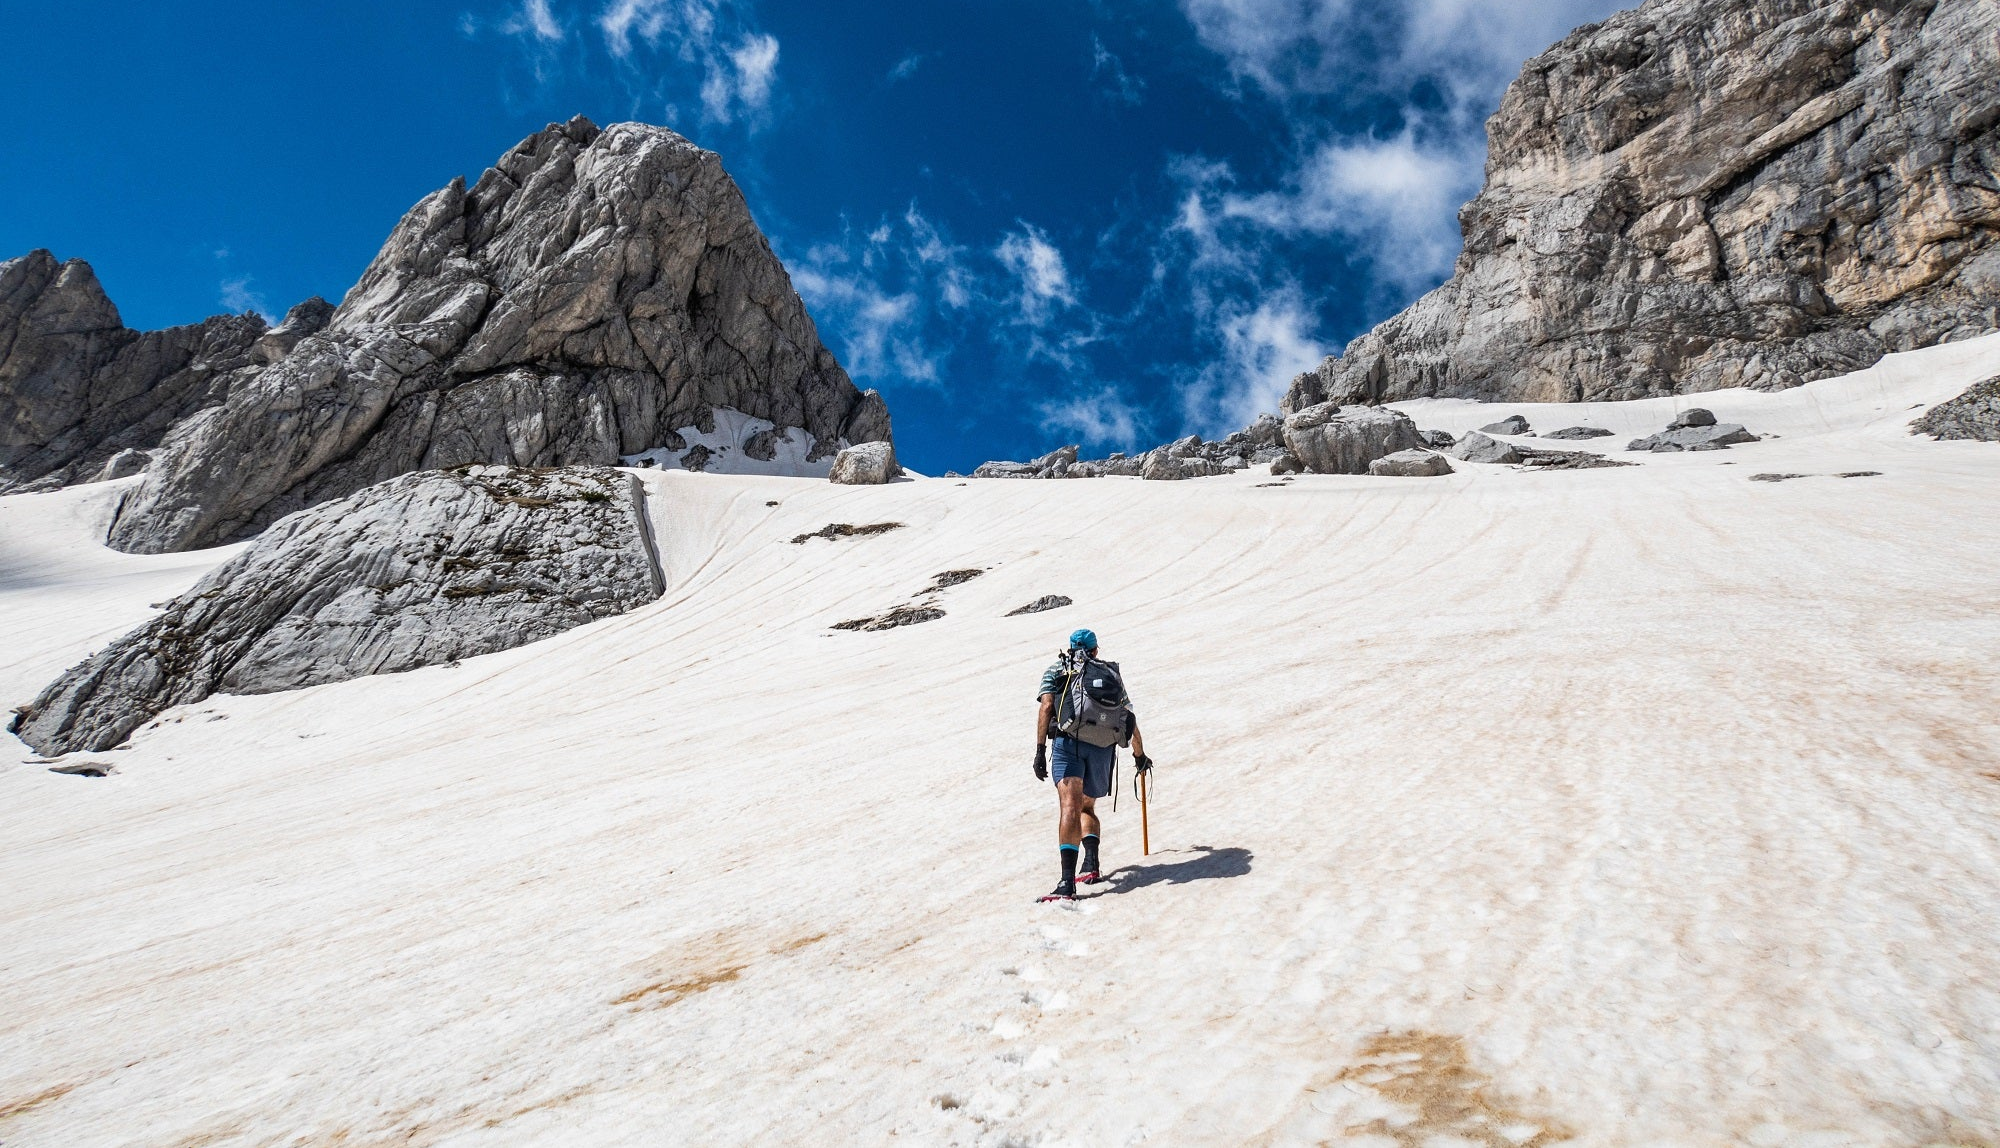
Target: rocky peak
<point>1697,194</point>
<point>591,294</point>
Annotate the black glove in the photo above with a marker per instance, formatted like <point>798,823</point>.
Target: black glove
<point>1041,763</point>
<point>1142,763</point>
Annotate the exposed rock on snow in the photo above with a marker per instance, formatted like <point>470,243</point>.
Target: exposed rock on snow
<point>1693,417</point>
<point>1974,414</point>
<point>1476,447</point>
<point>836,530</point>
<point>1719,436</point>
<point>732,442</point>
<point>1512,424</point>
<point>1329,440</point>
<point>1578,433</point>
<point>867,464</point>
<point>1041,605</point>
<point>78,388</point>
<point>1695,195</point>
<point>949,578</point>
<point>1533,459</point>
<point>425,568</point>
<point>1437,439</point>
<point>1189,457</point>
<point>593,293</point>
<point>900,616</point>
<point>1410,464</point>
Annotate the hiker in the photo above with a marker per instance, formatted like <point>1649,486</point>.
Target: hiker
<point>1082,704</point>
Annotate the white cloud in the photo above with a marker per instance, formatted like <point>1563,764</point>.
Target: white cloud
<point>1113,80</point>
<point>1038,266</point>
<point>906,67</point>
<point>738,64</point>
<point>1399,196</point>
<point>1098,417</point>
<point>238,297</point>
<point>879,294</point>
<point>534,19</point>
<point>1261,349</point>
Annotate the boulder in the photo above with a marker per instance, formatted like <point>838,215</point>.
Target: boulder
<point>426,568</point>
<point>1410,464</point>
<point>1476,447</point>
<point>1512,424</point>
<point>1719,437</point>
<point>1437,439</point>
<point>1692,417</point>
<point>1287,463</point>
<point>1974,414</point>
<point>1329,439</point>
<point>867,464</point>
<point>1693,195</point>
<point>1575,433</point>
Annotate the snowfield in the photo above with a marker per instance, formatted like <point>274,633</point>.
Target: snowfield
<point>1650,805</point>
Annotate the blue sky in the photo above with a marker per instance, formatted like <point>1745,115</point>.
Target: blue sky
<point>1028,222</point>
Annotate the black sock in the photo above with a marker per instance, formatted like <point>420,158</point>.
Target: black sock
<point>1090,853</point>
<point>1069,863</point>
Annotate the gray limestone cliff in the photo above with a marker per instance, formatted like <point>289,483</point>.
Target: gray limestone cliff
<point>1698,194</point>
<point>422,569</point>
<point>591,293</point>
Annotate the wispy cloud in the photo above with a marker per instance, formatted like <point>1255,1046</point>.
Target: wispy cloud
<point>1111,79</point>
<point>906,67</point>
<point>1262,347</point>
<point>238,297</point>
<point>1099,416</point>
<point>1039,270</point>
<point>1399,197</point>
<point>534,19</point>
<point>880,295</point>
<point>738,64</point>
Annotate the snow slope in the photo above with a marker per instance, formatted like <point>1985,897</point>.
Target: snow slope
<point>1634,806</point>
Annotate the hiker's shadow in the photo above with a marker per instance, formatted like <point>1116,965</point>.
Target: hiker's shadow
<point>1207,862</point>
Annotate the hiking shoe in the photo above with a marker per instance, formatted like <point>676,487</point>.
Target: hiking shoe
<point>1065,891</point>
<point>1089,878</point>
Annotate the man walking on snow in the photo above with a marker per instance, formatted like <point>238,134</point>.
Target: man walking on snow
<point>1082,704</point>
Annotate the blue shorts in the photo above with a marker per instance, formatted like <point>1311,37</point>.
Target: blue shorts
<point>1069,757</point>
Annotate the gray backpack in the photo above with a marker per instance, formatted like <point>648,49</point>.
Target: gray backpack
<point>1091,706</point>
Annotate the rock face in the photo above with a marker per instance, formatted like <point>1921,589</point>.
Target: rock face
<point>78,388</point>
<point>591,293</point>
<point>422,569</point>
<point>1330,440</point>
<point>1975,414</point>
<point>1410,464</point>
<point>1698,194</point>
<point>868,464</point>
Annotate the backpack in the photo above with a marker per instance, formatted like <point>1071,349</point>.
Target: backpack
<point>1091,705</point>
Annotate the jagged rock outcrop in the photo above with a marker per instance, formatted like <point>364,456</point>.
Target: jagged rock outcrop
<point>590,294</point>
<point>866,464</point>
<point>1974,414</point>
<point>1190,457</point>
<point>422,569</point>
<point>1575,434</point>
<point>79,388</point>
<point>1328,439</point>
<point>1698,194</point>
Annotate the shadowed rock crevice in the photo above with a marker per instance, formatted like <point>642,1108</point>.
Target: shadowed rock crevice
<point>423,569</point>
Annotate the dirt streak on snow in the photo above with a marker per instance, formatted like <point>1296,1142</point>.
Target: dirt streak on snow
<point>1646,805</point>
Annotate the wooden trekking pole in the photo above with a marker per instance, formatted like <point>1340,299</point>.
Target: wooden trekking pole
<point>1145,830</point>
